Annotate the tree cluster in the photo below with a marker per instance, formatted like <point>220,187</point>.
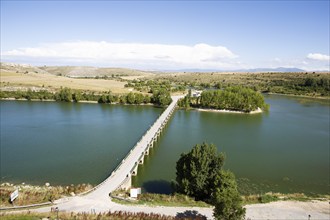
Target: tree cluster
<point>130,98</point>
<point>234,98</point>
<point>186,101</point>
<point>161,97</point>
<point>200,174</point>
<point>150,86</point>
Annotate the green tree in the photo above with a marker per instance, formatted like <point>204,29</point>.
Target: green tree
<point>102,99</point>
<point>65,94</point>
<point>123,99</point>
<point>131,98</point>
<point>195,171</point>
<point>76,96</point>
<point>147,99</point>
<point>225,197</point>
<point>200,174</point>
<point>235,98</point>
<point>139,98</point>
<point>310,82</point>
<point>29,94</point>
<point>161,97</point>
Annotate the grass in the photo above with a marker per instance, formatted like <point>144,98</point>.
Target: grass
<point>37,194</point>
<point>88,71</point>
<point>151,199</point>
<point>17,81</point>
<point>281,83</point>
<point>21,217</point>
<point>86,216</point>
<point>273,197</point>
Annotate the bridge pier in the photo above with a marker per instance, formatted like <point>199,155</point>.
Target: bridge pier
<point>141,161</point>
<point>135,170</point>
<point>127,184</point>
<point>146,152</point>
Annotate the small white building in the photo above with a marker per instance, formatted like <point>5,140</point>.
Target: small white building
<point>134,192</point>
<point>196,93</point>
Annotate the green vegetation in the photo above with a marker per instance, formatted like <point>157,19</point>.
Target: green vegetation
<point>152,199</point>
<point>145,85</point>
<point>200,174</point>
<point>38,194</point>
<point>130,98</point>
<point>28,95</point>
<point>302,84</point>
<point>235,98</point>
<point>160,97</point>
<point>272,197</point>
<point>65,95</point>
<point>186,102</point>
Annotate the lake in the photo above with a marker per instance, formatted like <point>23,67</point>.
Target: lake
<point>68,143</point>
<point>284,150</point>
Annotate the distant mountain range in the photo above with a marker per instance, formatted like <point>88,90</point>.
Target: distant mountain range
<point>279,69</point>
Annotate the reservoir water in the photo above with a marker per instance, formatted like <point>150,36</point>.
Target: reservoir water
<point>285,150</point>
<point>68,143</point>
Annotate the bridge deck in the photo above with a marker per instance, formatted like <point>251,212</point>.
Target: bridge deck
<point>124,170</point>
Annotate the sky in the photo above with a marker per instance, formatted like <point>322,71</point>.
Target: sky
<point>168,35</point>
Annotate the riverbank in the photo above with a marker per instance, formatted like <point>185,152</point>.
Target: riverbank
<point>300,96</point>
<point>275,210</point>
<point>259,110</point>
<point>82,101</point>
<point>32,194</point>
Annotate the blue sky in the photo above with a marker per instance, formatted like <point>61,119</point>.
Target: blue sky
<point>167,34</point>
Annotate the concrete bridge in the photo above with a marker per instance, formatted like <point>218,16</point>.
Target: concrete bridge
<point>121,176</point>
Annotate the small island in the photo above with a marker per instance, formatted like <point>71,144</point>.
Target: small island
<point>229,99</point>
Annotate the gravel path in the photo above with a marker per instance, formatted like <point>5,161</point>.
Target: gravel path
<point>276,210</point>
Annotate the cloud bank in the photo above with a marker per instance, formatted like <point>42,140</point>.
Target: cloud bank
<point>318,56</point>
<point>153,56</point>
<point>130,54</point>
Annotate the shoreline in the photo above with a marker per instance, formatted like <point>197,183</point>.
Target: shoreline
<point>228,111</point>
<point>298,96</point>
<point>317,208</point>
<point>82,101</point>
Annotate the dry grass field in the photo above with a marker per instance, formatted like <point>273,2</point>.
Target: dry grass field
<point>14,81</point>
<point>21,77</point>
<point>88,71</point>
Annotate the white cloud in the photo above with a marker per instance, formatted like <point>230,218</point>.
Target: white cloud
<point>318,56</point>
<point>130,54</point>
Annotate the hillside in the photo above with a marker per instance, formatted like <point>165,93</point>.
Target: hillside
<point>73,71</point>
<point>23,77</point>
<point>87,71</point>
